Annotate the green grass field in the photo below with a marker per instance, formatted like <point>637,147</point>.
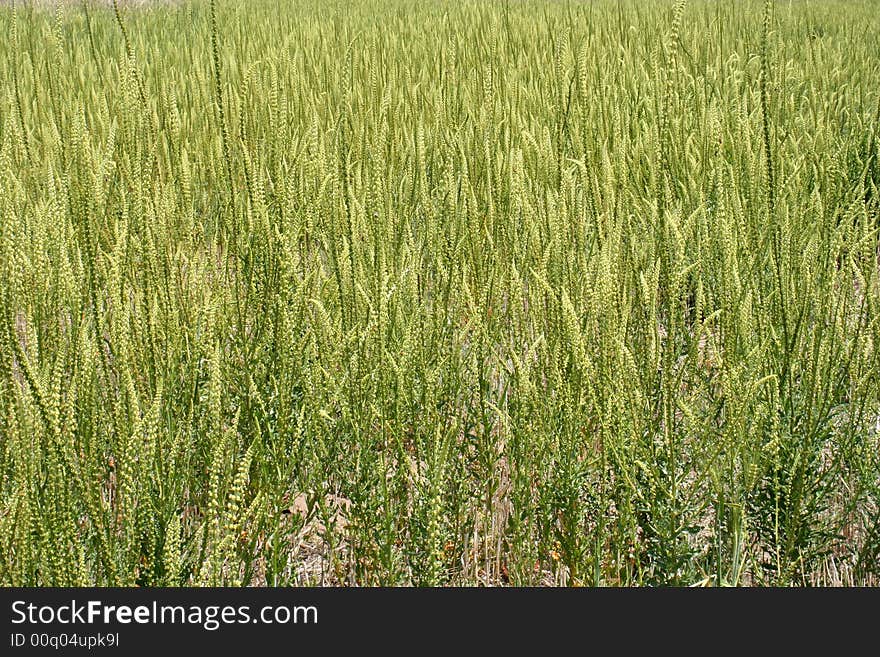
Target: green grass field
<point>440,293</point>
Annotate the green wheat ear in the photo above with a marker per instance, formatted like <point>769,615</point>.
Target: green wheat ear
<point>171,552</point>
<point>765,109</point>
